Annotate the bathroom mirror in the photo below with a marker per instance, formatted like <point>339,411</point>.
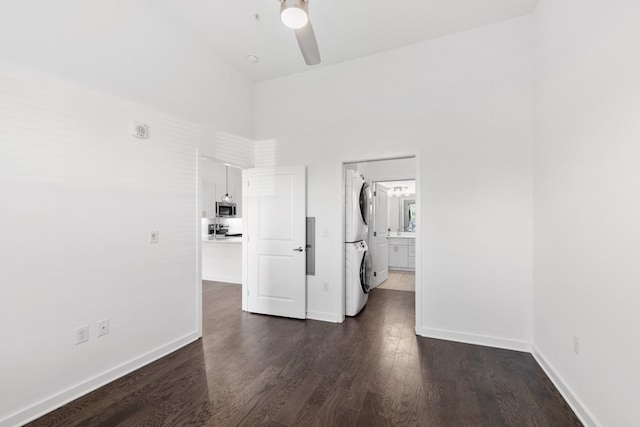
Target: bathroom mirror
<point>409,215</point>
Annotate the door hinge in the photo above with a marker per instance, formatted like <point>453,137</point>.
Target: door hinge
<point>375,193</point>
<point>375,274</point>
<point>375,234</point>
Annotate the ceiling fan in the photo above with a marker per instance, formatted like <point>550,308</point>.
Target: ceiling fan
<point>295,15</point>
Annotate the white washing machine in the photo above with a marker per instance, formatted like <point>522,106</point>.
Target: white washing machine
<point>357,207</point>
<point>359,277</point>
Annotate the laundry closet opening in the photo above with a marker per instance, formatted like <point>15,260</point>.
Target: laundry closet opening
<point>381,230</point>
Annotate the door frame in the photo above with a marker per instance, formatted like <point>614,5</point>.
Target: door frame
<point>199,308</point>
<point>418,272</point>
<point>245,246</point>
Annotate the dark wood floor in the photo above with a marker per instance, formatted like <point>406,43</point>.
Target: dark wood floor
<point>371,370</point>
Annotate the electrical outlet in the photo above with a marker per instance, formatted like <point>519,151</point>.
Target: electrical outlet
<point>325,233</point>
<point>576,345</point>
<point>325,286</point>
<point>82,334</point>
<point>103,327</point>
<point>154,236</point>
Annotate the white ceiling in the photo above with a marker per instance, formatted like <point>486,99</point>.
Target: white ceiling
<point>345,29</point>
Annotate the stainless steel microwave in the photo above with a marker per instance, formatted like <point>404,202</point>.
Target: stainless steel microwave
<point>225,210</point>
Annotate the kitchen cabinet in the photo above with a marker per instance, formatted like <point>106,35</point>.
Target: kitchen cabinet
<point>222,260</point>
<point>402,254</point>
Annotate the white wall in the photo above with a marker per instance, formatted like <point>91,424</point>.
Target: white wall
<point>128,48</point>
<point>464,102</point>
<point>79,195</point>
<point>586,204</point>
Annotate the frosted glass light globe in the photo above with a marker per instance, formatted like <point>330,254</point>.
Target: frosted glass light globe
<point>293,14</point>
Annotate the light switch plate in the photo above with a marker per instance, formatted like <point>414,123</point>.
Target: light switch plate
<point>82,334</point>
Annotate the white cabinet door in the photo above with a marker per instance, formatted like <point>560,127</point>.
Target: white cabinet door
<point>276,240</point>
<point>402,256</point>
<point>401,253</point>
<point>412,253</point>
<point>392,255</point>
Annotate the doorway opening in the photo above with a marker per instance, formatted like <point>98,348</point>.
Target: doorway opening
<point>394,208</point>
<point>392,238</point>
<point>220,211</point>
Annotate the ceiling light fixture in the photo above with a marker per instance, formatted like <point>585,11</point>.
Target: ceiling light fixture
<point>399,191</point>
<point>294,13</point>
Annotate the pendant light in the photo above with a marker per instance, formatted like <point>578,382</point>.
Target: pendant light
<point>227,198</point>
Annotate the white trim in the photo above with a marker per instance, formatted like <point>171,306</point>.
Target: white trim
<point>199,314</point>
<point>324,317</point>
<point>485,340</point>
<point>342,296</point>
<point>578,406</point>
<point>49,404</point>
<point>225,279</point>
<point>418,242</point>
<point>245,241</point>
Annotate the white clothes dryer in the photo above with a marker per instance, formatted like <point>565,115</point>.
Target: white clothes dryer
<point>357,207</point>
<point>359,277</point>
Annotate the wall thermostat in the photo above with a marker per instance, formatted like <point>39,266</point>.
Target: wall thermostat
<point>139,130</point>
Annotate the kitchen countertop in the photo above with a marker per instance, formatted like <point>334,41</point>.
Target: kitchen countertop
<point>224,240</point>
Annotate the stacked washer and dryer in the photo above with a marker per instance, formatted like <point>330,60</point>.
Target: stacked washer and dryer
<point>359,266</point>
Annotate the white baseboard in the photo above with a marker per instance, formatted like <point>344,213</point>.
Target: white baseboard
<point>572,399</point>
<point>234,280</point>
<point>487,341</point>
<point>324,317</point>
<point>49,404</point>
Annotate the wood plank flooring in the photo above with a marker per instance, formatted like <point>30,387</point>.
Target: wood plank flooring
<point>400,281</point>
<point>369,371</point>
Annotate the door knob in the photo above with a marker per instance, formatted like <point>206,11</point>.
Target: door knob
<point>299,249</point>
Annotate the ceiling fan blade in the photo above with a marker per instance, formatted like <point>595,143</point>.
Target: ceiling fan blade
<point>308,44</point>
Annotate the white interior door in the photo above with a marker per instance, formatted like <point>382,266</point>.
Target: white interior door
<point>381,224</point>
<point>276,240</point>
